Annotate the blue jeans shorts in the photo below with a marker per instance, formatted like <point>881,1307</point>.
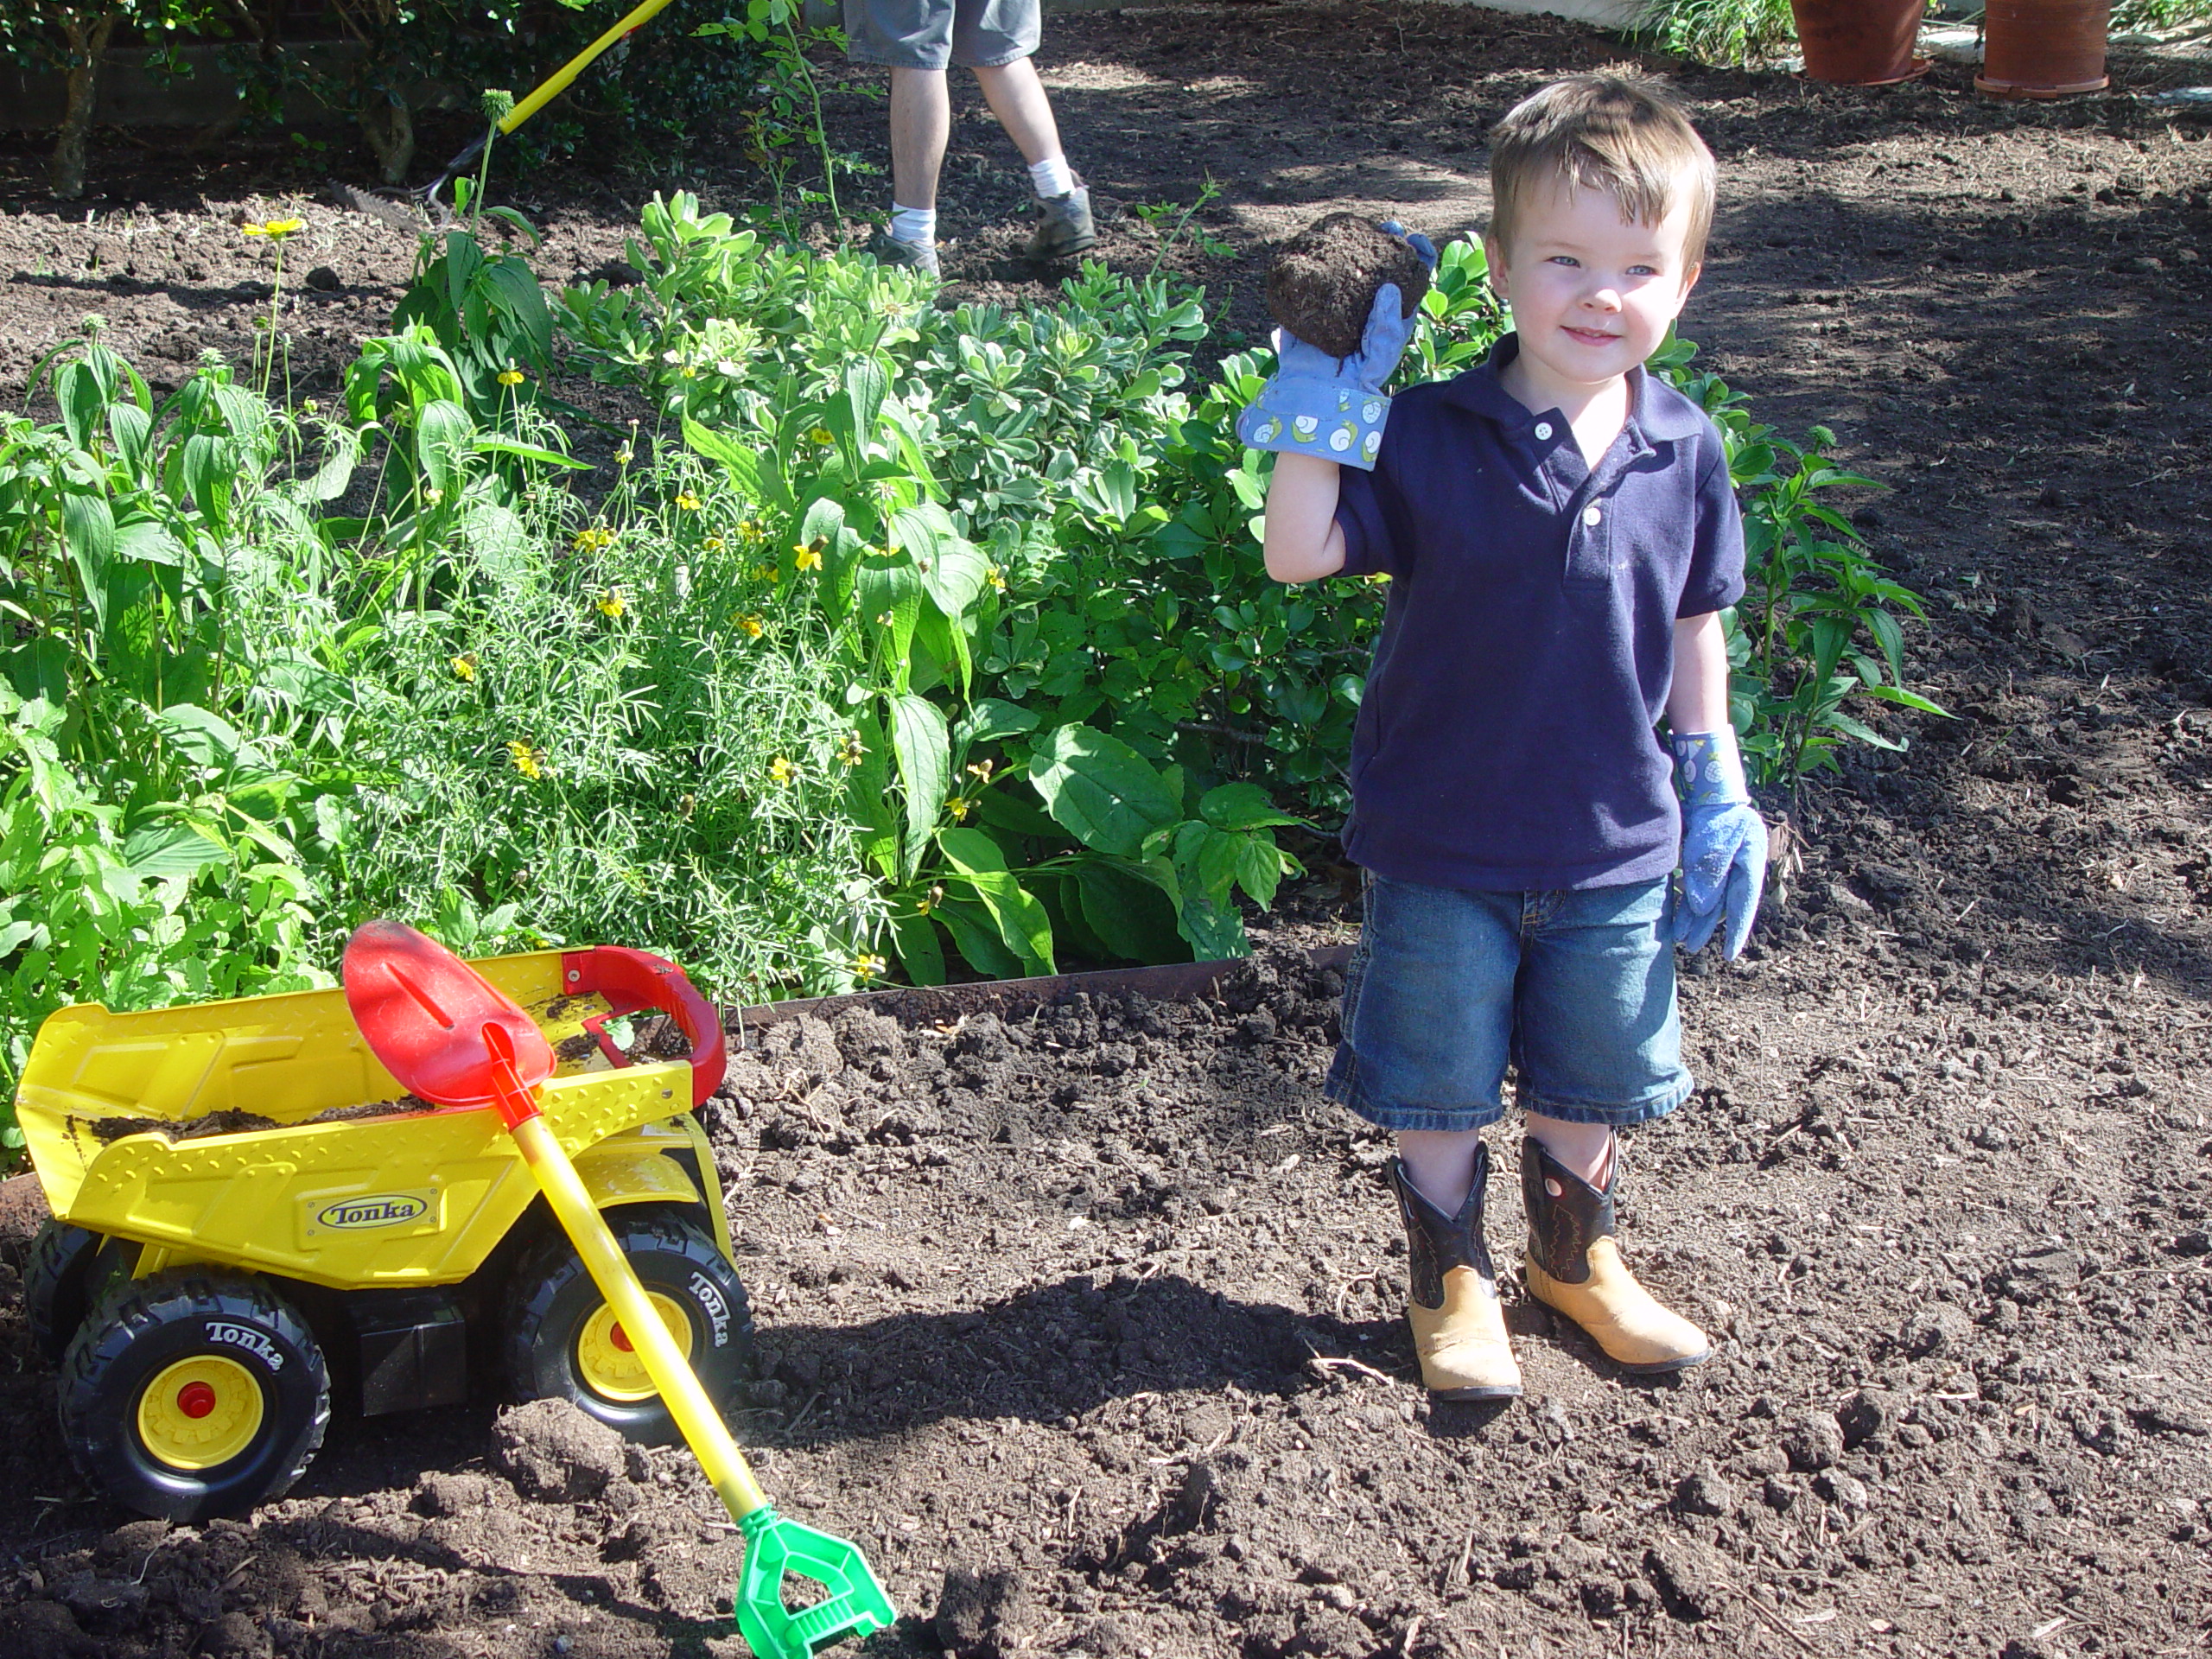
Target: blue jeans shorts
<point>1575,990</point>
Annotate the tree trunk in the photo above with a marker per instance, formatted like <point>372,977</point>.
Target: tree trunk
<point>389,125</point>
<point>88,38</point>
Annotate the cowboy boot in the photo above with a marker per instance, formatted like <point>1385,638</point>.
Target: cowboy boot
<point>1458,1328</point>
<point>1575,1267</point>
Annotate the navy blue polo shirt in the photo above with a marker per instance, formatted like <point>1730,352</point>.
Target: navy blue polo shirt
<point>1505,742</point>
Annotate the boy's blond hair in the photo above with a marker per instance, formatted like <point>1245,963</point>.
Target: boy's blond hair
<point>1602,132</point>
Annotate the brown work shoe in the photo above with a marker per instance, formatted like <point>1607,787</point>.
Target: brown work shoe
<point>1458,1327</point>
<point>1064,229</point>
<point>888,250</point>
<point>1574,1267</point>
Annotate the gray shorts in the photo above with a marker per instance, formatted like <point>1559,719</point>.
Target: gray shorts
<point>929,33</point>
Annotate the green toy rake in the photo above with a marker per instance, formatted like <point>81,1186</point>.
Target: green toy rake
<point>446,1033</point>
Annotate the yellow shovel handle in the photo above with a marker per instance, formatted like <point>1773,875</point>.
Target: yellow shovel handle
<point>556,83</point>
<point>610,1271</point>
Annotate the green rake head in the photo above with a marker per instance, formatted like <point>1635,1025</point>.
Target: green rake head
<point>775,1546</point>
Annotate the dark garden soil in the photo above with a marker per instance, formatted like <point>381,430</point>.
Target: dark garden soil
<point>1086,1325</point>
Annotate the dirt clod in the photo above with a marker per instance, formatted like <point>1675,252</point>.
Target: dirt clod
<point>982,1612</point>
<point>551,1449</point>
<point>1322,285</point>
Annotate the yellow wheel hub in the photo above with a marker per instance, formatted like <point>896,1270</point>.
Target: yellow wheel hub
<point>200,1411</point>
<point>609,1366</point>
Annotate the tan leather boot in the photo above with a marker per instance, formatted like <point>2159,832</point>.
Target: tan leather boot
<point>1575,1267</point>
<point>1458,1328</point>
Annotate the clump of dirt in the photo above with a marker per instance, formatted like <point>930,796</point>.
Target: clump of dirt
<point>1322,285</point>
<point>106,1130</point>
<point>405,1106</point>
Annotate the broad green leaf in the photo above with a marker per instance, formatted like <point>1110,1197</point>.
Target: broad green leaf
<point>1241,806</point>
<point>205,738</point>
<point>1130,914</point>
<point>914,938</point>
<point>993,718</point>
<point>88,531</point>
<point>443,433</point>
<point>976,935</point>
<point>742,465</point>
<point>866,385</point>
<point>172,848</point>
<point>923,748</point>
<point>1100,790</point>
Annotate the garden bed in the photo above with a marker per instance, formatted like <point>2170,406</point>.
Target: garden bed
<point>1947,1171</point>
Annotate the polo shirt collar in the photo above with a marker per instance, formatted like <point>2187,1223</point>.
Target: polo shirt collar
<point>1656,413</point>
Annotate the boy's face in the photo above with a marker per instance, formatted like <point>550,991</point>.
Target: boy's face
<point>1592,296</point>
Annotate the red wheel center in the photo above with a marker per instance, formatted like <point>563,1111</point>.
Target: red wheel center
<point>195,1399</point>
<point>619,1338</point>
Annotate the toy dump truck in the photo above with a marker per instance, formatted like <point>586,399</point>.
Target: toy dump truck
<point>250,1214</point>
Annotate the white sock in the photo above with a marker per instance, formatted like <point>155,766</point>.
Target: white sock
<point>1052,176</point>
<point>915,225</point>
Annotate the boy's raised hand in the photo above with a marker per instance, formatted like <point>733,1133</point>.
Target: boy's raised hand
<point>1724,844</point>
<point>1334,407</point>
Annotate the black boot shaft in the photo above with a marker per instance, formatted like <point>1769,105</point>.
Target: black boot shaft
<point>1562,1229</point>
<point>1436,1242</point>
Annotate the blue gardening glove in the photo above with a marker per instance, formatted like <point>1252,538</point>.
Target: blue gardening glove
<point>1334,408</point>
<point>1724,843</point>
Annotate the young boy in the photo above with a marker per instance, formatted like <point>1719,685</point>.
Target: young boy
<point>1560,534</point>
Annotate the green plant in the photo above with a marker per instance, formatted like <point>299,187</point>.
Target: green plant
<point>787,117</point>
<point>1820,624</point>
<point>1720,31</point>
<point>1176,222</point>
<point>2128,15</point>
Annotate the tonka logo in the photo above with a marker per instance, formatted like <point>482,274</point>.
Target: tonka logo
<point>381,1210</point>
<point>715,1304</point>
<point>246,1337</point>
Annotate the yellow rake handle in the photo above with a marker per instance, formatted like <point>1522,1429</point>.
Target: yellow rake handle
<point>610,1271</point>
<point>556,83</point>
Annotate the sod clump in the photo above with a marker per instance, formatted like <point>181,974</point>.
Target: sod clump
<point>1323,283</point>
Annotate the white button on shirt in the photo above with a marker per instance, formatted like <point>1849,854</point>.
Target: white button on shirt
<point>1591,515</point>
<point>1543,428</point>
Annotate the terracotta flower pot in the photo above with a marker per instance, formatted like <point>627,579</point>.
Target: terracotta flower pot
<point>2044,48</point>
<point>1859,43</point>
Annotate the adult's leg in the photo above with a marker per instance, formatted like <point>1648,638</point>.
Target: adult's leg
<point>921,125</point>
<point>1017,98</point>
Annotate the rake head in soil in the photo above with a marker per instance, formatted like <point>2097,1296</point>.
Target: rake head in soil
<point>775,1548</point>
<point>404,211</point>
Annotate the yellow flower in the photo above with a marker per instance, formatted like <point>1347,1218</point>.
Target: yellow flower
<point>610,603</point>
<point>590,540</point>
<point>852,751</point>
<point>528,761</point>
<point>782,770</point>
<point>997,578</point>
<point>310,407</point>
<point>931,900</point>
<point>981,770</point>
<point>868,965</point>
<point>750,624</point>
<point>753,530</point>
<point>822,435</point>
<point>464,667</point>
<point>512,377</point>
<point>713,544</point>
<point>687,501</point>
<point>807,558</point>
<point>433,495</point>
<point>278,228</point>
<point>625,456</point>
<point>960,806</point>
<point>766,573</point>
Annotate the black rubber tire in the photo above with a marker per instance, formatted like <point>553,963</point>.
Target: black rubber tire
<point>133,1335</point>
<point>57,1285</point>
<point>553,1296</point>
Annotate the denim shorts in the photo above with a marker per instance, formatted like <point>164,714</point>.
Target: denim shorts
<point>1575,989</point>
<point>930,33</point>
